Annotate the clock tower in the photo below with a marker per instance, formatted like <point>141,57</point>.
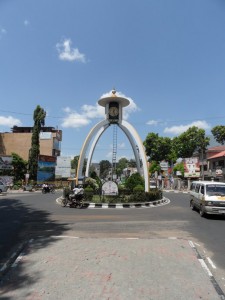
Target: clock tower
<point>114,107</point>
<point>114,115</point>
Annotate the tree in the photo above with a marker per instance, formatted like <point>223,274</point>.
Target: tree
<point>39,121</point>
<point>74,162</point>
<point>158,148</point>
<point>105,167</point>
<point>19,166</point>
<point>179,167</point>
<point>134,180</point>
<point>132,163</point>
<point>219,134</point>
<point>154,167</point>
<point>121,165</point>
<point>190,141</point>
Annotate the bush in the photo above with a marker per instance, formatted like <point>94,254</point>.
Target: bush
<point>138,188</point>
<point>134,180</point>
<point>141,196</point>
<point>88,192</point>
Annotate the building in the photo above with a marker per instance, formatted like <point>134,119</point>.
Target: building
<point>19,141</point>
<point>216,162</point>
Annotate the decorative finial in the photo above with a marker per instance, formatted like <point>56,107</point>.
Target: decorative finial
<point>114,91</point>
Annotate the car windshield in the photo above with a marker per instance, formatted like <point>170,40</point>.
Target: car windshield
<point>215,190</point>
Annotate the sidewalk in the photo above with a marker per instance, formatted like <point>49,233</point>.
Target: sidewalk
<point>68,267</point>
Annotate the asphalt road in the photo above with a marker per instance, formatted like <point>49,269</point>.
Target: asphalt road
<point>31,215</point>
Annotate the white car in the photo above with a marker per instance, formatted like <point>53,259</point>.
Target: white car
<point>3,187</point>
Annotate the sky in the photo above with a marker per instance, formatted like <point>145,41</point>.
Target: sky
<point>166,57</point>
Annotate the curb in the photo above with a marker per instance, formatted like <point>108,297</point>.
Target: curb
<point>155,203</point>
<point>177,191</point>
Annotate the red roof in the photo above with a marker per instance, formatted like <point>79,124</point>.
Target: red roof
<point>220,154</point>
<point>216,148</point>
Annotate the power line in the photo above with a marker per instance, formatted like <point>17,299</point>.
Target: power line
<point>164,122</point>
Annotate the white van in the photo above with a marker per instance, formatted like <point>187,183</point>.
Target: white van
<point>208,197</point>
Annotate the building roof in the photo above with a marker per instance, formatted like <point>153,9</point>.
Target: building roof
<point>220,154</point>
<point>216,149</point>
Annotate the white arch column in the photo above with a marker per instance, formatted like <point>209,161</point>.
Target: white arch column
<point>133,133</point>
<point>90,135</point>
<point>93,145</point>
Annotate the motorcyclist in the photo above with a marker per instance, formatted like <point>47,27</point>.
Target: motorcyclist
<point>78,190</point>
<point>45,187</point>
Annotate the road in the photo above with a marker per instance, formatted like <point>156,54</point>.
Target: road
<point>28,216</point>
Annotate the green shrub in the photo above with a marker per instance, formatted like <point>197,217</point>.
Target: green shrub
<point>141,196</point>
<point>88,192</point>
<point>138,188</point>
<point>138,196</point>
<point>134,180</point>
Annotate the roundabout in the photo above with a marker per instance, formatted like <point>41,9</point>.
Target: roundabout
<point>151,204</point>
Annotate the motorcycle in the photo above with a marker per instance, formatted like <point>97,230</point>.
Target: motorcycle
<point>46,190</point>
<point>73,200</point>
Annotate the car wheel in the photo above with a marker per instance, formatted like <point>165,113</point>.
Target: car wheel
<point>201,211</point>
<point>192,205</point>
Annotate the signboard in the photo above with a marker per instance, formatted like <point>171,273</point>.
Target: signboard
<point>6,163</point>
<point>63,167</point>
<point>191,167</point>
<point>45,135</point>
<point>164,165</point>
<point>219,171</point>
<point>7,180</point>
<point>46,168</point>
<point>110,188</point>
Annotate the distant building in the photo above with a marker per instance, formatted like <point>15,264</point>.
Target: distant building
<point>19,141</point>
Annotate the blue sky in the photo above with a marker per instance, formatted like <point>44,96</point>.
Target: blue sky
<point>167,57</point>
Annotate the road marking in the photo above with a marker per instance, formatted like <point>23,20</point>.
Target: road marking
<point>203,264</point>
<point>19,258</point>
<point>191,244</point>
<point>211,263</point>
<point>65,236</point>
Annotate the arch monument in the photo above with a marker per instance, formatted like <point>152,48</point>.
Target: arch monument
<point>114,115</point>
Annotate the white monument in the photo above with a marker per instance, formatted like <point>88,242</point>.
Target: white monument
<point>114,115</point>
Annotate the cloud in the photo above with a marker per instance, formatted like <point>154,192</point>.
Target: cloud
<point>182,128</point>
<point>67,53</point>
<point>109,155</point>
<point>2,32</point>
<point>26,23</point>
<point>121,145</point>
<point>9,121</point>
<point>153,122</point>
<point>87,113</point>
<point>76,120</point>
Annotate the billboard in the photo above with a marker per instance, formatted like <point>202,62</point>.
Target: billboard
<point>45,135</point>
<point>63,167</point>
<point>191,167</point>
<point>6,163</point>
<point>46,168</point>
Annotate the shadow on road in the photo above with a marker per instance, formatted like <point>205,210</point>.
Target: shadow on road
<point>20,223</point>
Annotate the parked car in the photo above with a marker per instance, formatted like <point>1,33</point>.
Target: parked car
<point>3,187</point>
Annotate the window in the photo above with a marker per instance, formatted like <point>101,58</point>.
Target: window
<point>202,189</point>
<point>197,188</point>
<point>193,187</point>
